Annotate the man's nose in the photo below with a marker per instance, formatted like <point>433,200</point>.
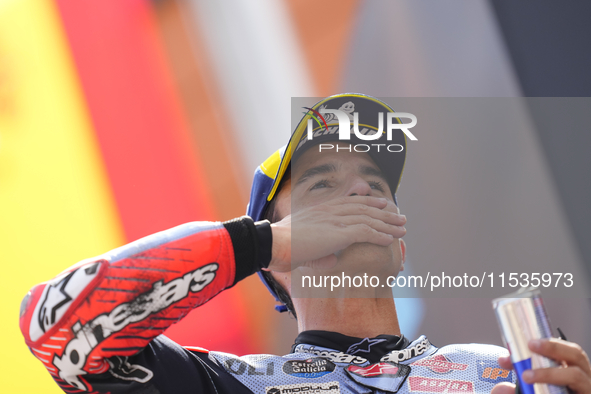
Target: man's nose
<point>359,187</point>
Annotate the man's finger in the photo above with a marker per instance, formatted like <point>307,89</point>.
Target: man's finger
<point>573,377</point>
<point>503,388</point>
<point>377,202</point>
<point>364,233</point>
<point>376,224</point>
<point>376,213</point>
<point>505,362</point>
<point>560,350</point>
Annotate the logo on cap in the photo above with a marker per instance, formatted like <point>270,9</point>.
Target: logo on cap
<point>345,115</point>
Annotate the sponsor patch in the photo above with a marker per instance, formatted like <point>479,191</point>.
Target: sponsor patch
<point>384,376</point>
<point>240,367</point>
<point>440,364</point>
<point>490,371</point>
<point>310,368</point>
<point>305,388</point>
<point>373,370</point>
<point>432,385</point>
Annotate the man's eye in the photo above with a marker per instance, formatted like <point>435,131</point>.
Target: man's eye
<point>320,184</point>
<point>377,185</point>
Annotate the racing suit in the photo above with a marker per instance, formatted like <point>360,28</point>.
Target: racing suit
<point>96,328</point>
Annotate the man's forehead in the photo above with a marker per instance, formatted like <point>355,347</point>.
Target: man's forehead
<point>313,162</point>
<point>339,152</point>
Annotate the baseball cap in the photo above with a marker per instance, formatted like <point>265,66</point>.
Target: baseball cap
<point>388,155</point>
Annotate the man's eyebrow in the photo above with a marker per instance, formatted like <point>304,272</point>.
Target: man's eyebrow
<point>318,170</point>
<point>372,171</point>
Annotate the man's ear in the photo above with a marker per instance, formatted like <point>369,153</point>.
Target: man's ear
<point>403,254</point>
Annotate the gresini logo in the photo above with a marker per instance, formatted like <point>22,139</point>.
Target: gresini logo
<point>305,388</point>
<point>337,357</point>
<point>346,115</point>
<point>408,353</point>
<point>88,336</point>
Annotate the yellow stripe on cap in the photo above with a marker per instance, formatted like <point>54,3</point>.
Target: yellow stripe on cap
<point>271,165</point>
<point>284,162</point>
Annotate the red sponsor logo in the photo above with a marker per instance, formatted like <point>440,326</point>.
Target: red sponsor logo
<point>432,385</point>
<point>378,369</point>
<point>440,364</point>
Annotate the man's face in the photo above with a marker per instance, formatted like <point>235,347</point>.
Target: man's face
<point>318,177</point>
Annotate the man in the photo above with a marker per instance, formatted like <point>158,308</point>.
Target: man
<point>96,326</point>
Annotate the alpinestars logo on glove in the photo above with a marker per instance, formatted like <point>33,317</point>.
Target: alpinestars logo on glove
<point>87,338</point>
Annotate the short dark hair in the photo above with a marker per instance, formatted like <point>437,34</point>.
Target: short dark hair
<point>272,216</point>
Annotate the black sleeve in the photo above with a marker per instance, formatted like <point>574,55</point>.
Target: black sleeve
<point>164,367</point>
<point>252,243</point>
